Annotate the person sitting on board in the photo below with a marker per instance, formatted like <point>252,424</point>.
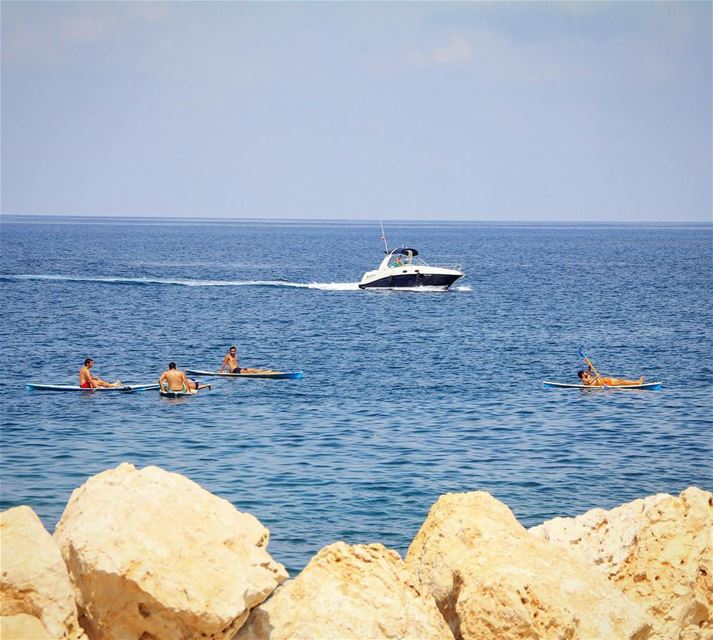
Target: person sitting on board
<point>195,384</point>
<point>230,362</point>
<point>592,379</point>
<point>88,381</point>
<point>174,379</point>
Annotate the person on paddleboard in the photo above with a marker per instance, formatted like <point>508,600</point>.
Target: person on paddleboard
<point>593,379</point>
<point>174,379</point>
<point>230,362</point>
<point>88,381</point>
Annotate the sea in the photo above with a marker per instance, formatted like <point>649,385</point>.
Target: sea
<point>405,395</point>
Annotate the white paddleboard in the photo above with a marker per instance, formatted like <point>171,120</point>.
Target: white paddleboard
<point>127,388</point>
<point>646,386</point>
<point>260,373</point>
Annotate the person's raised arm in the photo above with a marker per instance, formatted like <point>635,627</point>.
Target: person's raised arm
<point>591,371</point>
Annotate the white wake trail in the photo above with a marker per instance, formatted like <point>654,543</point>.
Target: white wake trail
<point>188,282</point>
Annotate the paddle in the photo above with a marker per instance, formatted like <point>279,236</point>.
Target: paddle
<point>590,364</point>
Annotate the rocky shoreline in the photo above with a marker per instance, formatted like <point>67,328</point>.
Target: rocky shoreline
<point>150,555</point>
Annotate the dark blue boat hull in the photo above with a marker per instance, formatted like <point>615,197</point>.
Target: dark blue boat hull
<point>412,281</point>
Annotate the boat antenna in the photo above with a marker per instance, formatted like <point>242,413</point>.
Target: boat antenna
<point>383,237</point>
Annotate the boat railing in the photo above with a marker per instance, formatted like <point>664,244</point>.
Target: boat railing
<point>420,262</point>
<point>457,267</point>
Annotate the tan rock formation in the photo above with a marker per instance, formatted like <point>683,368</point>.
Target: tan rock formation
<point>492,579</point>
<point>35,591</point>
<point>360,591</point>
<point>658,550</point>
<point>154,556</point>
<point>23,627</point>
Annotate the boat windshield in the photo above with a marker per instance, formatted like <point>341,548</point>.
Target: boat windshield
<point>401,257</point>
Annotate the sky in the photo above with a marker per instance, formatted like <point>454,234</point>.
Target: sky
<point>493,111</point>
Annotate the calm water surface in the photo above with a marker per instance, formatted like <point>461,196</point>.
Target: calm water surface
<point>405,396</point>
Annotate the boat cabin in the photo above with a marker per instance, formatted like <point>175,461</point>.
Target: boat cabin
<point>400,257</point>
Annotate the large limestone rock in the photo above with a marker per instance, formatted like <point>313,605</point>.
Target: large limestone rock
<point>345,592</point>
<point>23,627</point>
<point>153,556</point>
<point>492,579</point>
<point>36,596</point>
<point>658,550</point>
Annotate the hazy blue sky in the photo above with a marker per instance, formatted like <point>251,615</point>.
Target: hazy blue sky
<point>483,111</point>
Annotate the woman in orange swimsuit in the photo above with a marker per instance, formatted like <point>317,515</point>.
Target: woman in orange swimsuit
<point>593,379</point>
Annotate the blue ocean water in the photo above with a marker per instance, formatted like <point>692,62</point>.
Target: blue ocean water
<point>405,396</point>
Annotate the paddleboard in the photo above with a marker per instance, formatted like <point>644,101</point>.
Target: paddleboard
<point>262,373</point>
<point>127,388</point>
<point>646,386</point>
<point>180,394</point>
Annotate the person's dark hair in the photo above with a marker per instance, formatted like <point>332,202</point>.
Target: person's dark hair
<point>87,361</point>
<point>232,346</point>
<point>171,365</point>
<point>580,374</point>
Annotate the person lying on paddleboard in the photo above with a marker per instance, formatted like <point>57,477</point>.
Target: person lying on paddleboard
<point>593,379</point>
<point>230,362</point>
<point>174,379</point>
<point>88,381</point>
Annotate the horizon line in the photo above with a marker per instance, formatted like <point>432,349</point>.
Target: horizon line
<point>267,220</point>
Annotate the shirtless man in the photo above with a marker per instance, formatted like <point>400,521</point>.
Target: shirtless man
<point>88,381</point>
<point>174,380</point>
<point>230,362</point>
<point>591,378</point>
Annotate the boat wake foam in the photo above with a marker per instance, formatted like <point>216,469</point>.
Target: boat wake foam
<point>188,282</point>
<point>334,286</point>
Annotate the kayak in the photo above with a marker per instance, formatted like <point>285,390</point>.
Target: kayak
<point>180,394</point>
<point>127,388</point>
<point>261,373</point>
<point>645,386</point>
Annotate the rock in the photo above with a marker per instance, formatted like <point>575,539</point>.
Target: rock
<point>657,550</point>
<point>492,579</point>
<point>360,591</point>
<point>23,627</point>
<point>35,589</point>
<point>152,555</point>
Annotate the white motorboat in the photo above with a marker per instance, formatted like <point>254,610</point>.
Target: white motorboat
<point>402,268</point>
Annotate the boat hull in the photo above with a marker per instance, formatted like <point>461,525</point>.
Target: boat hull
<point>436,281</point>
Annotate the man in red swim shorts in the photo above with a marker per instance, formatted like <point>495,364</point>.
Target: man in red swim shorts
<point>88,381</point>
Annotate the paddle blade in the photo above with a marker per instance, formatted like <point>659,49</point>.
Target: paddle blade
<point>581,353</point>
